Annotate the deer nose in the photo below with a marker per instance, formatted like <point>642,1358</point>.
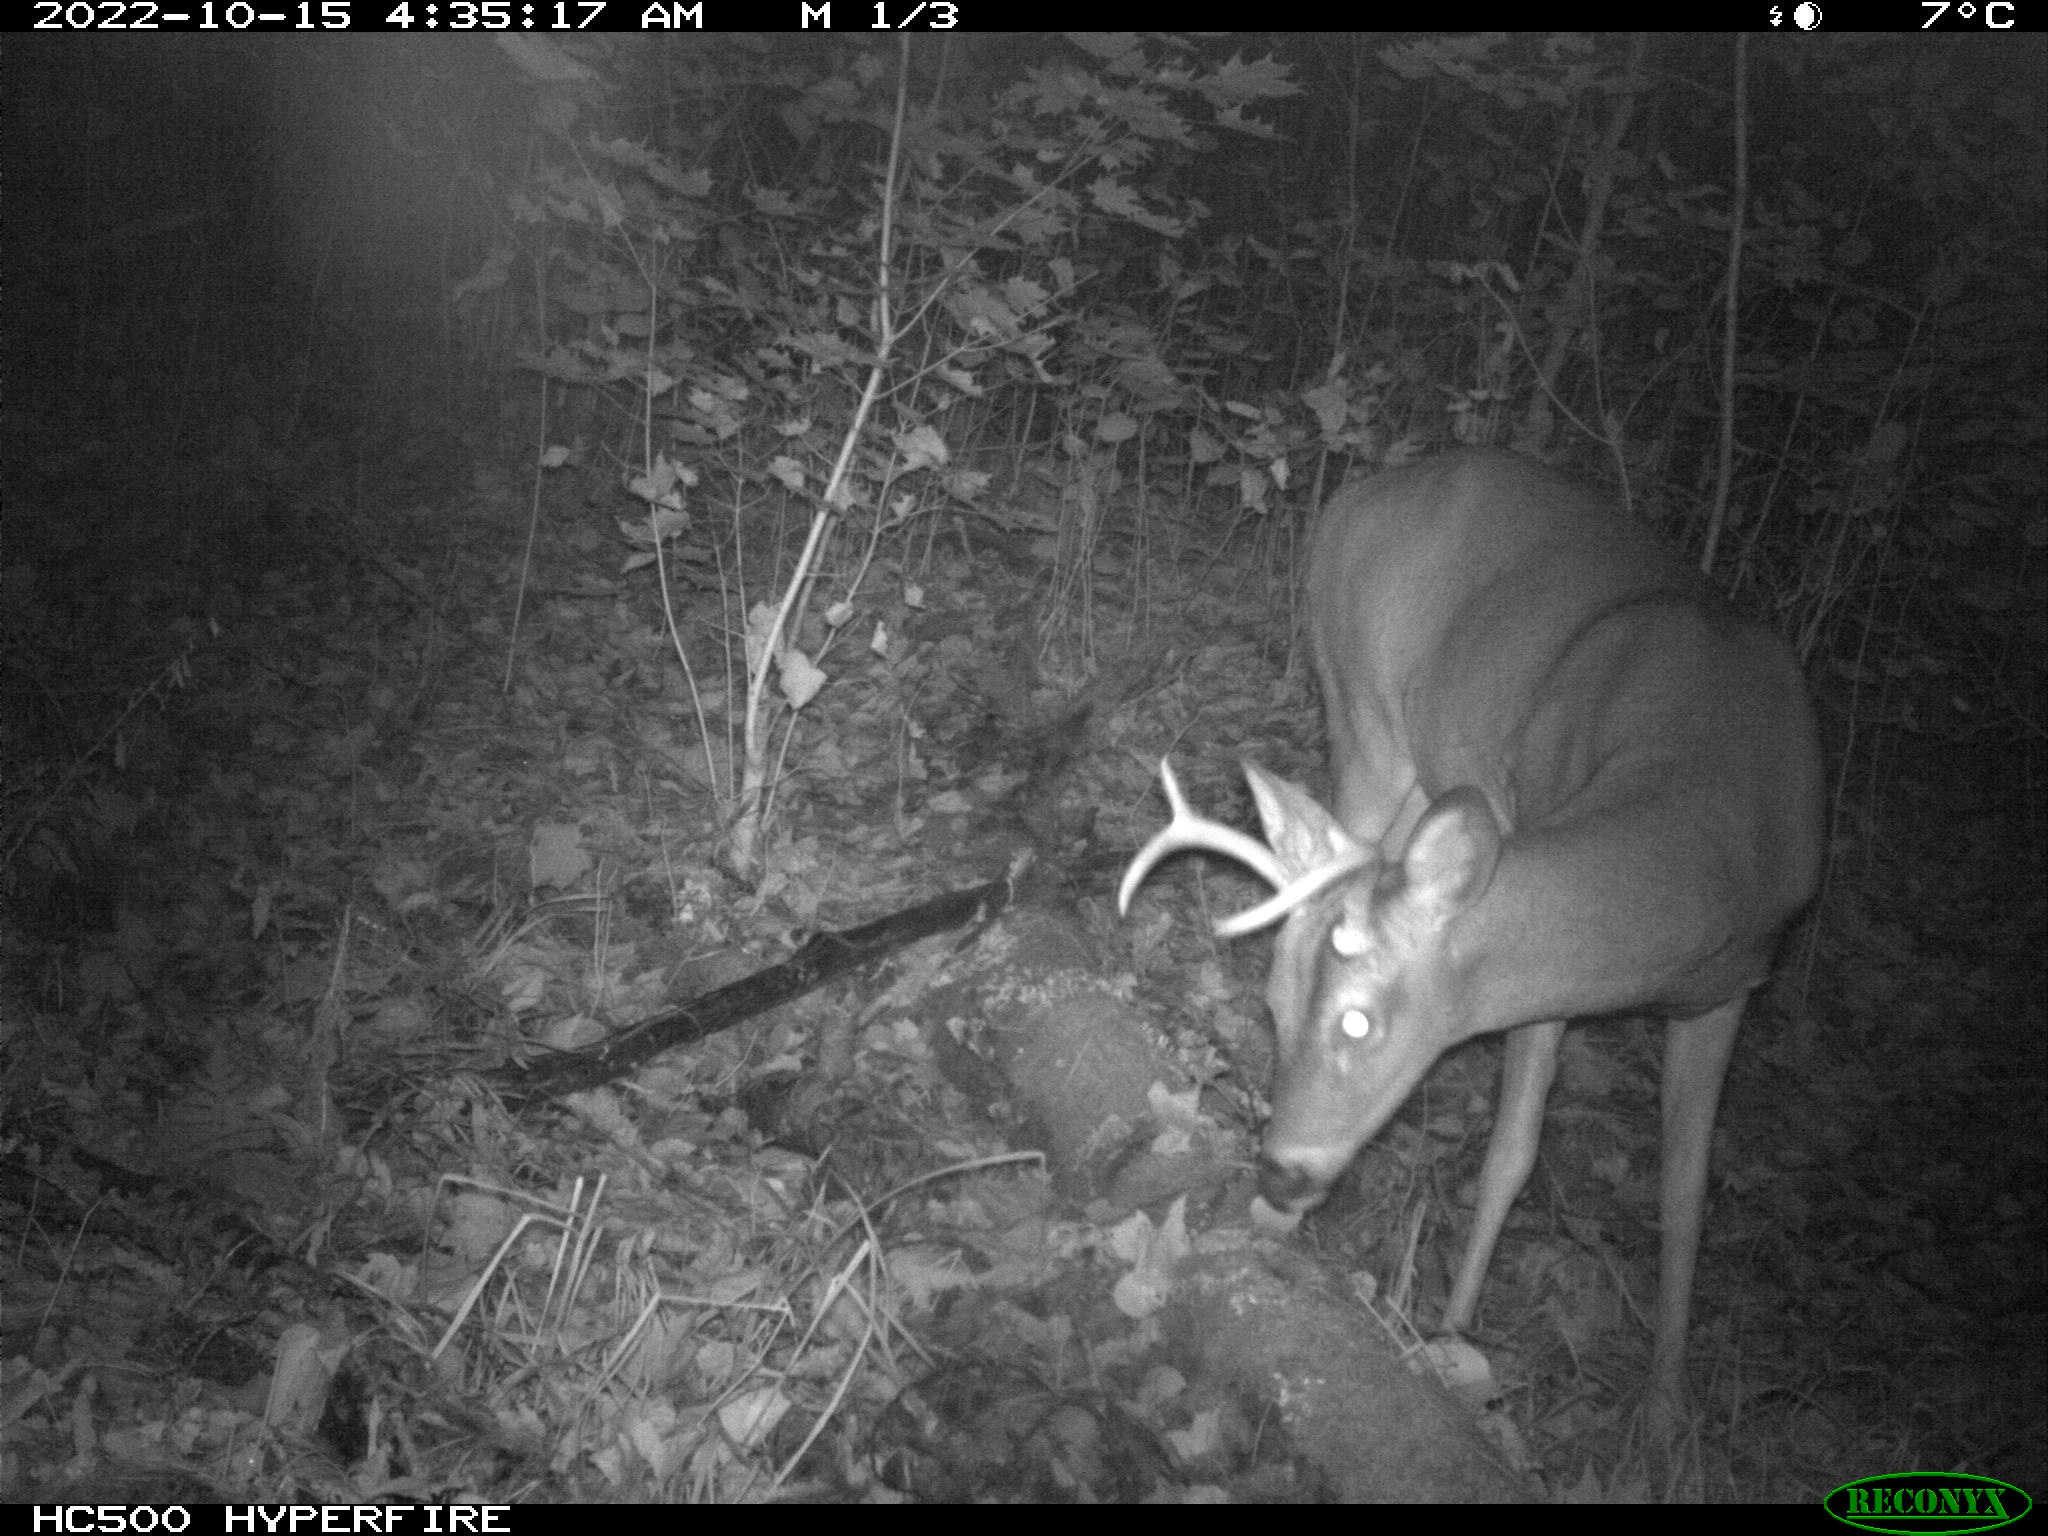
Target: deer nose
<point>1289,1187</point>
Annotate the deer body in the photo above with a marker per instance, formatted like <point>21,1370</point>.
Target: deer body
<point>1568,781</point>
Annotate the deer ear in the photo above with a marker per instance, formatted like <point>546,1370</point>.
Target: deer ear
<point>1304,835</point>
<point>1452,854</point>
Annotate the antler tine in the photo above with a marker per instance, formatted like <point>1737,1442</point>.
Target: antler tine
<point>1292,895</point>
<point>1189,831</point>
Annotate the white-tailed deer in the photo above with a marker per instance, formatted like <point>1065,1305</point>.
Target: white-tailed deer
<point>1569,781</point>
